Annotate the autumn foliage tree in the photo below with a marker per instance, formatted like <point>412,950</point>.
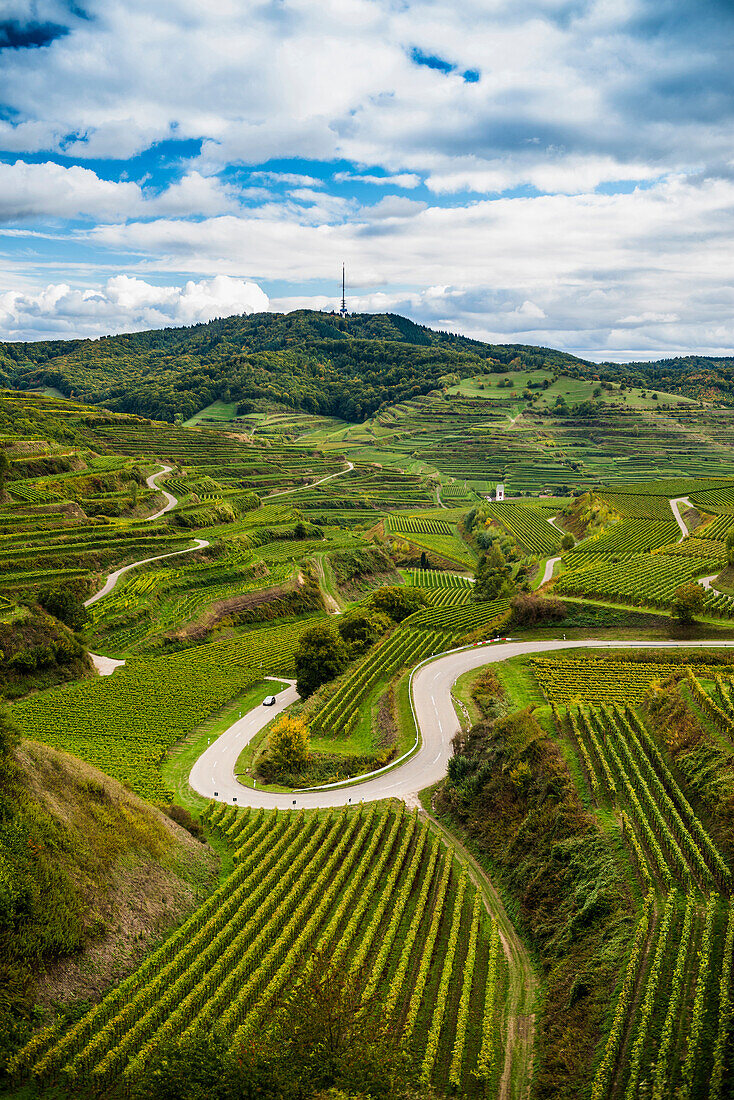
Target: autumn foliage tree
<point>289,744</point>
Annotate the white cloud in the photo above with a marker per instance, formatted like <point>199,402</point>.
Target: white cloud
<point>393,207</point>
<point>287,179</point>
<point>51,191</point>
<point>566,91</point>
<point>554,172</point>
<point>573,99</point>
<point>406,180</point>
<point>123,304</point>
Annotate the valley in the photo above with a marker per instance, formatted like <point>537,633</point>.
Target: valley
<point>488,825</point>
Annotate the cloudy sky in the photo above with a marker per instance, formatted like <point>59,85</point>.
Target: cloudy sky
<point>556,172</point>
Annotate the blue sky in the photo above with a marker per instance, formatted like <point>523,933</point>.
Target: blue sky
<point>556,172</point>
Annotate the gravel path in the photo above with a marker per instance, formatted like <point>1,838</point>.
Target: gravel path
<point>171,501</point>
<point>548,573</point>
<point>284,492</point>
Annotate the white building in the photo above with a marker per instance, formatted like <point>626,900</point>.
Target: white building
<point>499,493</point>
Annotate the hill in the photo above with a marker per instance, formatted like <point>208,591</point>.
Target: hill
<point>598,790</point>
<point>90,877</point>
<point>315,362</point>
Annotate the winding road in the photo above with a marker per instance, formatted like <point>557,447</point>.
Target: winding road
<point>674,506</point>
<point>171,502</point>
<point>113,578</point>
<point>548,571</point>
<point>705,582</point>
<point>312,484</point>
<point>213,773</point>
<point>213,776</point>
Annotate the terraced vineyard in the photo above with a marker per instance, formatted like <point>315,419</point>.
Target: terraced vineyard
<point>414,526</point>
<point>304,883</point>
<point>529,526</point>
<point>125,725</point>
<point>670,1026</point>
<point>281,504</point>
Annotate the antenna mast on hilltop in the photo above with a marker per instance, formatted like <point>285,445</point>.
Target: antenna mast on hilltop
<point>344,312</point>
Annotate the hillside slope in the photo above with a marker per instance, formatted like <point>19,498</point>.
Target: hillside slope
<point>90,877</point>
<point>316,362</point>
<point>313,361</point>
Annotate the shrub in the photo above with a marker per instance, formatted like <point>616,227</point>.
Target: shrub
<point>397,603</point>
<point>687,603</point>
<point>360,630</point>
<point>182,817</point>
<point>530,610</point>
<point>64,606</point>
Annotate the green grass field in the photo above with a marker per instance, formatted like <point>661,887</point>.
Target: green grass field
<point>493,387</point>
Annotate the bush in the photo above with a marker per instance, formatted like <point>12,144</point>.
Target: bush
<point>288,744</point>
<point>687,603</point>
<point>64,606</point>
<point>360,629</point>
<point>530,610</point>
<point>397,602</point>
<point>182,817</point>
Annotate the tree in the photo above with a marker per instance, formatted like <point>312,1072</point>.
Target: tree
<point>360,629</point>
<point>492,577</point>
<point>398,602</point>
<point>687,603</point>
<point>320,656</point>
<point>568,541</point>
<point>289,744</point>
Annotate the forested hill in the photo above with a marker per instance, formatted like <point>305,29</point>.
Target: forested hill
<point>307,360</point>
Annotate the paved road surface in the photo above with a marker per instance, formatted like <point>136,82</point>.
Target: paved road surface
<point>284,492</point>
<point>550,564</point>
<point>113,578</point>
<point>678,518</point>
<point>548,573</point>
<point>171,501</point>
<point>212,774</point>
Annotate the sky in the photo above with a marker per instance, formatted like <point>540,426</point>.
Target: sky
<point>552,172</point>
